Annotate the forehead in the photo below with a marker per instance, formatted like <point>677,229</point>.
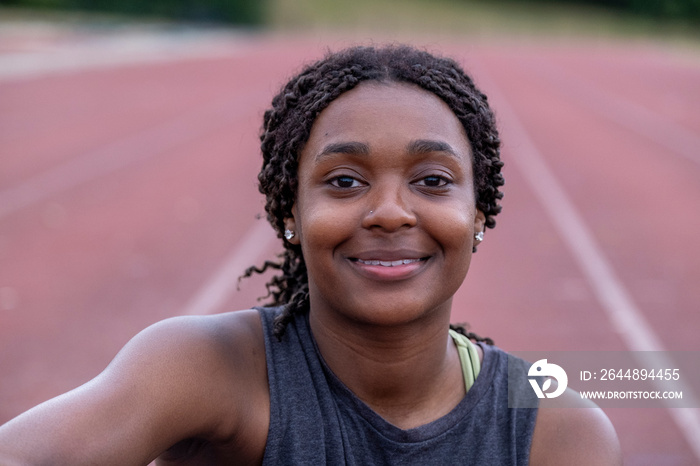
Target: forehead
<point>388,112</point>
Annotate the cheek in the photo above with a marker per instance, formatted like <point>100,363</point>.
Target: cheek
<point>453,225</point>
<point>324,226</point>
<point>456,238</point>
<point>460,241</point>
<point>461,248</point>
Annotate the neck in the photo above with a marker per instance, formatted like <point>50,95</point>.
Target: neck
<point>409,373</point>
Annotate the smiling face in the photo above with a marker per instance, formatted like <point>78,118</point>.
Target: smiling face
<point>385,210</point>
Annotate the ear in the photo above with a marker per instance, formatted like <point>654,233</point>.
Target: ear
<point>291,225</point>
<point>479,224</point>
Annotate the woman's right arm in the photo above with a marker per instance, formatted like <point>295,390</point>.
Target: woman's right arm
<point>171,382</point>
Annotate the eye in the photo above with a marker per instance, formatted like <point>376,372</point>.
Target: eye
<point>434,181</point>
<point>345,181</point>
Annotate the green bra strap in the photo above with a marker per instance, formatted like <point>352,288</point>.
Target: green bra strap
<point>468,358</point>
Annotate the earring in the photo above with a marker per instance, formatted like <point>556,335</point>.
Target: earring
<point>289,234</point>
<point>479,236</point>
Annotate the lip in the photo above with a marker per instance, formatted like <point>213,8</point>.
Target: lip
<point>389,265</point>
<point>389,255</point>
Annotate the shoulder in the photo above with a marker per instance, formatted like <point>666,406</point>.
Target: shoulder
<point>183,357</point>
<point>573,431</point>
<point>176,347</point>
<point>209,379</point>
<point>181,378</point>
<point>199,339</point>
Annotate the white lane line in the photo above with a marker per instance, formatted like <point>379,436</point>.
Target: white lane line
<point>625,316</point>
<point>259,239</point>
<point>91,51</point>
<point>123,153</point>
<point>636,118</point>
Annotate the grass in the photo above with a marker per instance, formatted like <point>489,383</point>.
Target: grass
<point>416,18</point>
<point>481,18</point>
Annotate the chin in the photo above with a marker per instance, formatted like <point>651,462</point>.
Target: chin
<point>387,311</point>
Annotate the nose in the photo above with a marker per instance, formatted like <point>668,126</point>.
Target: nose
<point>390,208</point>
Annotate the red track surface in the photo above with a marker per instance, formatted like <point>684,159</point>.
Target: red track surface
<point>153,187</point>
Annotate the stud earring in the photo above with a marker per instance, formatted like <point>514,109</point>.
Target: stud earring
<point>289,234</point>
<point>479,236</point>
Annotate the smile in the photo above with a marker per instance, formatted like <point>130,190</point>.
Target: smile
<point>388,263</point>
<point>389,270</point>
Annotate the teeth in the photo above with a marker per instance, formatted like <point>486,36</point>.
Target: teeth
<point>388,263</point>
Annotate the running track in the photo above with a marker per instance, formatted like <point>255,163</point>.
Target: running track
<point>128,195</point>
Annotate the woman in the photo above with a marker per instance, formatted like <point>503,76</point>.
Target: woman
<point>381,172</point>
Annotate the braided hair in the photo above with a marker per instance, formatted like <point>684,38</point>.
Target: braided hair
<point>288,123</point>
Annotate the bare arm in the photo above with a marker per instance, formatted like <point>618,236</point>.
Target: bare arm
<point>173,381</point>
<point>574,432</point>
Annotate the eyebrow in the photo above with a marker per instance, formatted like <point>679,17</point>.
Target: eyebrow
<point>416,147</point>
<point>350,148</point>
<point>426,146</point>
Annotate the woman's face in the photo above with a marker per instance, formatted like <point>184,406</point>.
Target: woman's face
<point>385,211</point>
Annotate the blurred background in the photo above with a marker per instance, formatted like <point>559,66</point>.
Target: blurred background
<point>285,14</point>
<point>129,154</point>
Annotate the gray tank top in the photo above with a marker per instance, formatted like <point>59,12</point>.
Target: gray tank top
<point>315,419</point>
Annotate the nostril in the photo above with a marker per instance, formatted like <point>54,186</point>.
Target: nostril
<point>389,221</point>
